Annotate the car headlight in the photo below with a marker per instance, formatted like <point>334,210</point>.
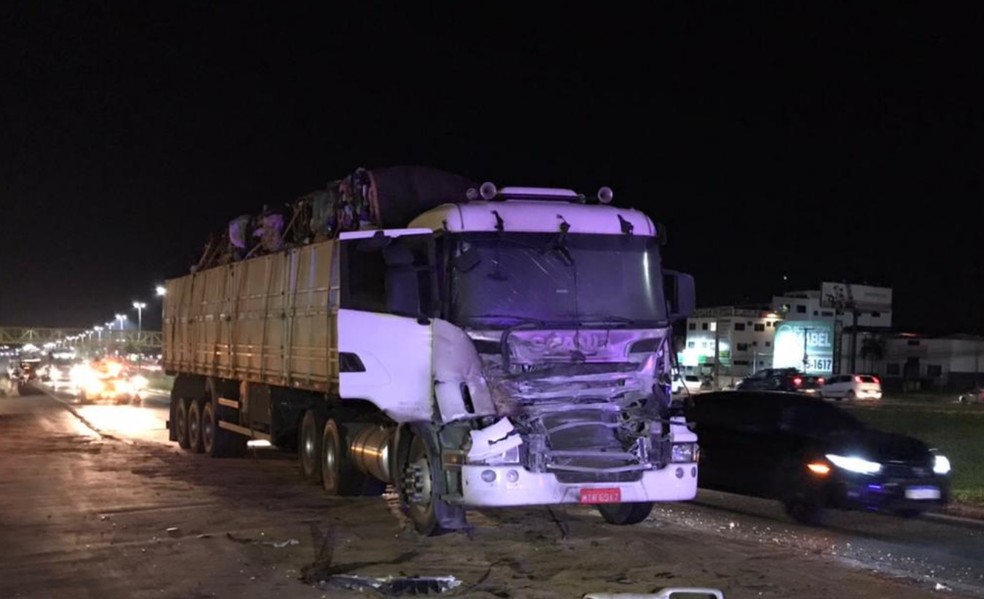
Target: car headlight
<point>684,452</point>
<point>941,465</point>
<point>854,464</point>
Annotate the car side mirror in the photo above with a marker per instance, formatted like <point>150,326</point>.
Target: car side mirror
<point>681,296</point>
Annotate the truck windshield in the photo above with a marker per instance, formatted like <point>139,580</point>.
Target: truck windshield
<point>511,278</point>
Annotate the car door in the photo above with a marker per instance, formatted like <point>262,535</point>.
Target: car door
<point>756,445</point>
<point>713,414</point>
<point>729,434</point>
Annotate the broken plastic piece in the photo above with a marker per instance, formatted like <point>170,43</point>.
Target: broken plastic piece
<point>493,440</point>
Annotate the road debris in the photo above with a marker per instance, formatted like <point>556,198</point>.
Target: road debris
<point>275,544</point>
<point>389,585</point>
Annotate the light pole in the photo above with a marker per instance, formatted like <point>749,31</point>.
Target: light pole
<point>99,336</point>
<point>139,306</point>
<point>120,318</point>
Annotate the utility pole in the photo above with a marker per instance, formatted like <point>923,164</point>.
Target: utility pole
<point>806,357</point>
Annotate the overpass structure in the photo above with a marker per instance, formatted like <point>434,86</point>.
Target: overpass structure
<point>80,338</point>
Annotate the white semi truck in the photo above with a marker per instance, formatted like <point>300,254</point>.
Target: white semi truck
<point>505,347</point>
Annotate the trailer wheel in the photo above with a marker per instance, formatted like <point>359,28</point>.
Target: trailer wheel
<point>420,488</point>
<point>623,514</point>
<point>195,426</point>
<point>309,446</point>
<point>339,475</point>
<point>181,422</point>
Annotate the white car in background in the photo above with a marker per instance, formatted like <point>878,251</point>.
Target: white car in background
<point>851,387</point>
<point>691,382</point>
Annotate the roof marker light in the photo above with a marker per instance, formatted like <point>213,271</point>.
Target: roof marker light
<point>605,195</point>
<point>488,190</point>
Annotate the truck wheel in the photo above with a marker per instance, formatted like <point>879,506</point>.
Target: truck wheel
<point>181,422</point>
<point>309,446</point>
<point>195,426</point>
<point>339,475</point>
<point>622,514</point>
<point>420,488</point>
<point>215,440</point>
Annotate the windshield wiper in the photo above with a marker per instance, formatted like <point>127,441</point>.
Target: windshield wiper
<point>614,319</point>
<point>516,317</point>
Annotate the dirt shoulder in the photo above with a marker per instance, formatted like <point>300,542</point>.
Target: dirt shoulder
<point>85,516</point>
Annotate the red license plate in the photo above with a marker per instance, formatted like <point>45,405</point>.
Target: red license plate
<point>601,495</point>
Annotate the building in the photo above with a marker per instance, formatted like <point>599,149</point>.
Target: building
<point>907,361</point>
<point>729,341</point>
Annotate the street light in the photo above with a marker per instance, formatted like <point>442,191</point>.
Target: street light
<point>139,306</point>
<point>161,291</point>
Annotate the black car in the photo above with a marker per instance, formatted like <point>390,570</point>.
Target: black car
<point>811,455</point>
<point>782,379</point>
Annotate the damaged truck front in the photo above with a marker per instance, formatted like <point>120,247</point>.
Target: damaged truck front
<point>511,350</point>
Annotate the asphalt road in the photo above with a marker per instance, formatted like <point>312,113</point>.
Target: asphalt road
<point>95,503</point>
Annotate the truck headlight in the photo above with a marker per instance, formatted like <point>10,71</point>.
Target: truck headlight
<point>941,465</point>
<point>684,452</point>
<point>854,464</point>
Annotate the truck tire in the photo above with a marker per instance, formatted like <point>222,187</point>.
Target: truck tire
<point>309,446</point>
<point>420,484</point>
<point>181,422</point>
<point>339,475</point>
<point>622,514</point>
<point>195,426</point>
<point>217,442</point>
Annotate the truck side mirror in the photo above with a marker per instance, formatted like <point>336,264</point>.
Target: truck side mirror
<point>681,298</point>
<point>376,243</point>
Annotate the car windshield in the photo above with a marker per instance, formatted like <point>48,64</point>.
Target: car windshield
<point>500,280</point>
<point>867,379</point>
<point>818,418</point>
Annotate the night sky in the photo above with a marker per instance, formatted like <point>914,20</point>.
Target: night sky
<point>812,145</point>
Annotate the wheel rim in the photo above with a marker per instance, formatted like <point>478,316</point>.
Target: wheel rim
<point>182,421</point>
<point>329,459</point>
<point>308,447</point>
<point>208,429</point>
<point>418,486</point>
<point>194,425</point>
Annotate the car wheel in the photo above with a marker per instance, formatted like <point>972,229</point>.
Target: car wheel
<point>850,396</point>
<point>909,513</point>
<point>622,514</point>
<point>805,509</point>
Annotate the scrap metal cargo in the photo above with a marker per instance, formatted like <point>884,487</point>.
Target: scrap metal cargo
<point>490,348</point>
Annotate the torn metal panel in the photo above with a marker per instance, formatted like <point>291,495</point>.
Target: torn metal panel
<point>459,383</point>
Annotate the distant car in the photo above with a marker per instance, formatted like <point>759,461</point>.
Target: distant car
<point>812,455</point>
<point>852,386</point>
<point>772,379</point>
<point>972,396</point>
<point>691,382</point>
<point>118,389</point>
